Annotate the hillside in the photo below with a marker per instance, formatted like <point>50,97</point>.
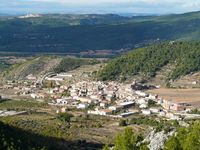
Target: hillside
<point>36,66</point>
<point>148,61</point>
<point>80,33</point>
<point>17,139</point>
<point>39,66</point>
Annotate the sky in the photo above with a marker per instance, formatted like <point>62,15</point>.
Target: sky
<point>98,6</point>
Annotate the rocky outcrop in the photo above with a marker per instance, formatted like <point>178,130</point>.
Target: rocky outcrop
<point>157,140</point>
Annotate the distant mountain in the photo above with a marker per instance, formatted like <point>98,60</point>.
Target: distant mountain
<point>30,16</point>
<point>137,14</point>
<point>67,33</point>
<point>4,14</point>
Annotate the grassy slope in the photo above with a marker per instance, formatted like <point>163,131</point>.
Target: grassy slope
<point>44,128</point>
<point>19,139</point>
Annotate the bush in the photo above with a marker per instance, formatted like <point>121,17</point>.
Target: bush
<point>122,122</point>
<point>66,117</point>
<point>99,125</point>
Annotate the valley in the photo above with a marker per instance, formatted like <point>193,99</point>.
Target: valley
<point>100,109</point>
<point>100,81</point>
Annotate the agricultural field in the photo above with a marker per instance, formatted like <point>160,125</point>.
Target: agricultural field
<point>191,95</point>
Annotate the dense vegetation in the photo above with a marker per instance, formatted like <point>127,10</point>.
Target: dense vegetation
<point>66,117</point>
<point>73,34</point>
<point>185,56</point>
<point>185,139</point>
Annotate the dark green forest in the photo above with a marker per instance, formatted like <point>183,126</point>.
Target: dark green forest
<point>77,33</point>
<point>185,56</point>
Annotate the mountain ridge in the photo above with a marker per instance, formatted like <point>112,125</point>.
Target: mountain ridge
<point>75,33</point>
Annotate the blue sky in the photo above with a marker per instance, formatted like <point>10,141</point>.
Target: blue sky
<point>99,6</point>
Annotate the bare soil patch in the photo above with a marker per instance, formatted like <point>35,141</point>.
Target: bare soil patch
<point>179,95</point>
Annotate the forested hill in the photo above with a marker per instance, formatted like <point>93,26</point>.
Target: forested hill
<point>184,56</point>
<point>78,33</point>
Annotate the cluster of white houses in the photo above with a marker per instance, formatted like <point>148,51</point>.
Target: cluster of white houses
<point>100,98</point>
<point>116,100</point>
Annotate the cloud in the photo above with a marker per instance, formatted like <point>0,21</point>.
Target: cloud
<point>85,2</point>
<point>100,6</point>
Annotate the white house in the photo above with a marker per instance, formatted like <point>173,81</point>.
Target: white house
<point>61,101</point>
<point>31,77</point>
<point>141,101</point>
<point>65,75</point>
<point>56,78</point>
<point>154,110</point>
<point>102,104</point>
<point>115,108</point>
<point>140,93</point>
<point>82,106</point>
<point>128,113</point>
<point>162,113</point>
<point>94,97</point>
<point>172,116</point>
<point>33,95</point>
<point>146,112</point>
<point>85,100</point>
<point>102,112</point>
<point>153,97</point>
<point>126,104</point>
<point>143,105</point>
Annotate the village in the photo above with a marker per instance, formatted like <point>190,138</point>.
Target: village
<point>112,99</point>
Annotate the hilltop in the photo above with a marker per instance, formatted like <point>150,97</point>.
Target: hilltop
<point>73,34</point>
<point>175,59</point>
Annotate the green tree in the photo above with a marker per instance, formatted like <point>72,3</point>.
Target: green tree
<point>185,139</point>
<point>126,140</point>
<point>192,141</point>
<point>143,147</point>
<point>173,144</point>
<point>106,147</point>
